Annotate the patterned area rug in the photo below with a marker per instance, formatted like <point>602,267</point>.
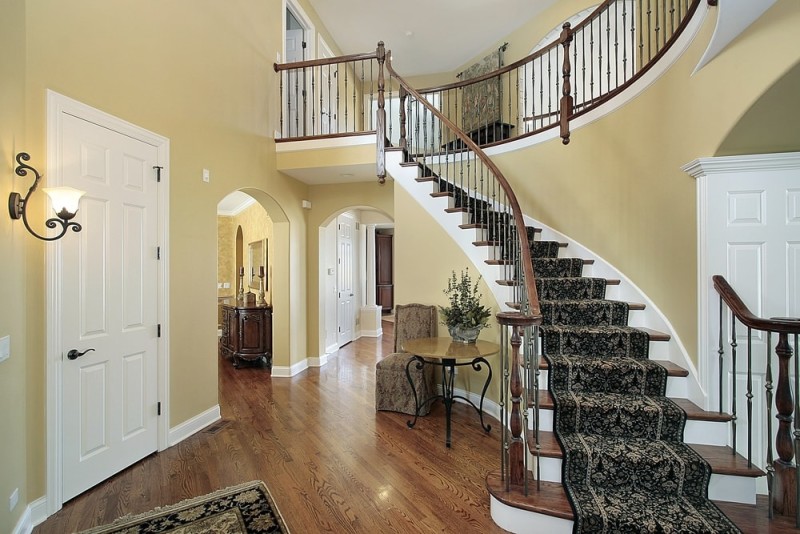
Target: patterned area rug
<point>244,509</point>
<point>626,468</point>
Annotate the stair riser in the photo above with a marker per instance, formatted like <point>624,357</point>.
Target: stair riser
<point>695,432</point>
<point>721,487</point>
<point>677,386</point>
<point>523,522</point>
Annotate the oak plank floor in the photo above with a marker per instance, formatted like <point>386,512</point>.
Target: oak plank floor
<point>330,461</point>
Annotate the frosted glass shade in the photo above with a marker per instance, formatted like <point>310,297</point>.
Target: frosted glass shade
<point>65,200</point>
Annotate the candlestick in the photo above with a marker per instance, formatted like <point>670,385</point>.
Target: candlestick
<point>261,301</point>
<point>240,293</point>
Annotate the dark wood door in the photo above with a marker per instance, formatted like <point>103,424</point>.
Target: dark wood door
<point>384,276</point>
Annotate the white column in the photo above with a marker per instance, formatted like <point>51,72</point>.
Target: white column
<point>371,312</point>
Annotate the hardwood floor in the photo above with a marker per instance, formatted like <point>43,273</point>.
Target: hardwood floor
<point>331,462</point>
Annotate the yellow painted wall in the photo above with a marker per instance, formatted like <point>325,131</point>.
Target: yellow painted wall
<point>256,225</point>
<point>15,460</point>
<point>425,257</point>
<point>198,73</point>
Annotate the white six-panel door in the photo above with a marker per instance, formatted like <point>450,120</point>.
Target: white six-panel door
<point>345,276</point>
<point>109,303</point>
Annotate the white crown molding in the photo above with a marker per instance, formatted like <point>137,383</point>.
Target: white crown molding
<point>726,164</point>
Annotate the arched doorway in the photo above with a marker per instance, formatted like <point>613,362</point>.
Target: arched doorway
<point>340,321</point>
<point>253,231</point>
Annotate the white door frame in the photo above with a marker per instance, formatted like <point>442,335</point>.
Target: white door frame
<point>57,106</point>
<point>305,20</point>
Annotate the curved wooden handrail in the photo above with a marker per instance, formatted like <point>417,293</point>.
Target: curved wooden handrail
<point>746,317</point>
<point>557,42</point>
<point>527,263</point>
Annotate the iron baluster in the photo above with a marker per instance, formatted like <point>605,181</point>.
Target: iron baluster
<point>749,397</point>
<point>768,388</point>
<point>733,372</point>
<point>720,352</point>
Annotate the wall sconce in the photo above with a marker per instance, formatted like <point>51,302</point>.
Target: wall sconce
<point>65,202</point>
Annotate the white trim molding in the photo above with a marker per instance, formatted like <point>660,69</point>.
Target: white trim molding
<point>194,425</point>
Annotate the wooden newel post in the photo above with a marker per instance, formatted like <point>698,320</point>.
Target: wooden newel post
<point>566,87</point>
<point>784,496</point>
<point>380,119</point>
<point>516,450</point>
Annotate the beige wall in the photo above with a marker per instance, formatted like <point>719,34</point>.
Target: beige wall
<point>15,460</point>
<point>425,257</point>
<point>204,81</point>
<point>256,225</point>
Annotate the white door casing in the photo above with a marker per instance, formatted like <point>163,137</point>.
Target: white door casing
<point>106,287</point>
<point>749,232</point>
<point>345,277</point>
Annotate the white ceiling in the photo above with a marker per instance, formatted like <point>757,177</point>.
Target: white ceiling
<point>425,36</point>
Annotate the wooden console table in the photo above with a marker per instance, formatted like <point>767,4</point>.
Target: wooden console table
<point>449,354</point>
<point>246,334</point>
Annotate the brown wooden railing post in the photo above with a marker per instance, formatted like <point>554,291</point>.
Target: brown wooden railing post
<point>516,451</point>
<point>566,88</point>
<point>380,120</point>
<point>784,500</point>
<point>403,139</point>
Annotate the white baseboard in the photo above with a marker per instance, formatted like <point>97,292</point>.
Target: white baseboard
<point>282,371</point>
<point>193,425</point>
<point>317,362</point>
<point>372,333</point>
<point>35,513</point>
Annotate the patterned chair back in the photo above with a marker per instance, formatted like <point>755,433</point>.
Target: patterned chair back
<point>413,321</point>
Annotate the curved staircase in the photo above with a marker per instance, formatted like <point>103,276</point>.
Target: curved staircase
<point>583,333</point>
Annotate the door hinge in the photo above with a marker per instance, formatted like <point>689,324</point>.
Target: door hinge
<point>158,253</point>
<point>305,44</point>
<point>159,407</point>
<point>159,330</point>
<point>158,172</point>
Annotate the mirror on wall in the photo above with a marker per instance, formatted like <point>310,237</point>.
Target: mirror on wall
<point>257,254</point>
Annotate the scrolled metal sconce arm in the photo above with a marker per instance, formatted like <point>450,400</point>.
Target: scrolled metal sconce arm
<point>17,205</point>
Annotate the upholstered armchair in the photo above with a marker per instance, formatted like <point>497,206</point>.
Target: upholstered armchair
<point>392,390</point>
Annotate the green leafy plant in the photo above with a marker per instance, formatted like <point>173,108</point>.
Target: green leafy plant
<point>465,307</point>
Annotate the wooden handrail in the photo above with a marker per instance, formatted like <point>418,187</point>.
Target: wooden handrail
<point>746,317</point>
<point>527,262</point>
<point>324,61</point>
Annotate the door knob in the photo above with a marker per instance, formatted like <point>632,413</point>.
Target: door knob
<point>74,354</point>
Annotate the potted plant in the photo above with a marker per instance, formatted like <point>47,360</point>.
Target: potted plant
<point>465,317</point>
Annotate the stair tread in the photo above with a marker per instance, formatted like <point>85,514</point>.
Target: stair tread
<point>549,498</point>
<point>543,497</point>
<point>437,194</point>
<point>693,411</point>
<point>720,458</point>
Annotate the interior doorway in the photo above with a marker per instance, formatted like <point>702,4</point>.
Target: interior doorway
<point>299,34</point>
